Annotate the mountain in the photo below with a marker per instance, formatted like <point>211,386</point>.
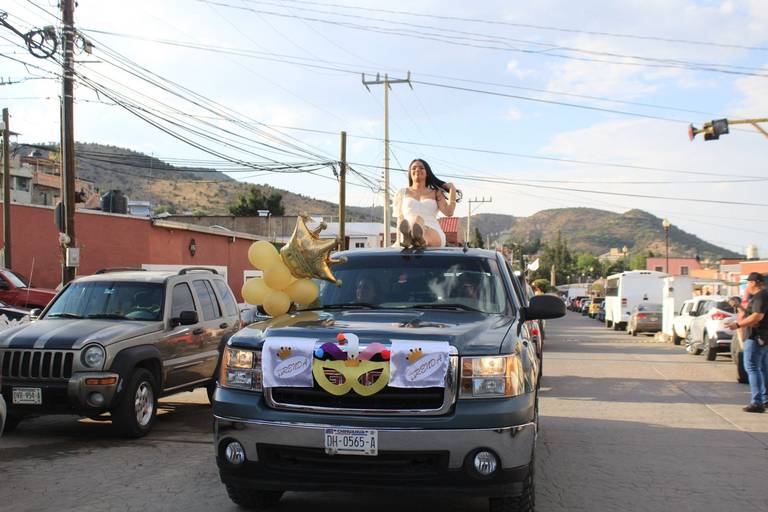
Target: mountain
<point>145,178</point>
<point>187,189</point>
<point>597,231</point>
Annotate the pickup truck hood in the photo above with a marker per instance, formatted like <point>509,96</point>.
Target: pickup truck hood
<point>72,334</point>
<point>471,333</point>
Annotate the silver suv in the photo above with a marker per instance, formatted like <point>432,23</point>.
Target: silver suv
<point>115,342</point>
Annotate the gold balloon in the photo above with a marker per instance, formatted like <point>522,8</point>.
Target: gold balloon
<point>303,291</point>
<point>254,290</point>
<point>277,303</point>
<point>306,255</point>
<point>263,254</point>
<point>278,277</point>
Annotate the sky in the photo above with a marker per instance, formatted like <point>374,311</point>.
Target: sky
<point>535,105</point>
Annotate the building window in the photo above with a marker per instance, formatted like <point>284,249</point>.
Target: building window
<point>659,269</point>
<point>22,183</point>
<point>683,271</point>
<point>359,245</point>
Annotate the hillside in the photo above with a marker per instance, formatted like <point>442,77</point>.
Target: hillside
<point>188,189</point>
<point>145,178</point>
<point>597,231</point>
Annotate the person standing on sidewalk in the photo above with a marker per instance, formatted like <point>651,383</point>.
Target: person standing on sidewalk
<point>756,344</point>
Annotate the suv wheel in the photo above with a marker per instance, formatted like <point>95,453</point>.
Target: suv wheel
<point>689,346</point>
<point>253,499</point>
<point>523,503</point>
<point>135,414</point>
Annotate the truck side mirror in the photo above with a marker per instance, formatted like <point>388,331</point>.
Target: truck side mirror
<point>542,307</point>
<point>188,317</point>
<point>35,313</point>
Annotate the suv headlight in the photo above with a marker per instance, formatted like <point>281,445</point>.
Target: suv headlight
<point>241,369</point>
<point>93,356</point>
<point>491,377</point>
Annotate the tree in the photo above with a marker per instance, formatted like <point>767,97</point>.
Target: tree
<point>638,262</point>
<point>477,240</point>
<point>249,205</point>
<point>165,208</point>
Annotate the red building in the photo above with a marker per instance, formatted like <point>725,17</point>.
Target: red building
<point>677,266</point>
<point>112,240</point>
<point>450,226</point>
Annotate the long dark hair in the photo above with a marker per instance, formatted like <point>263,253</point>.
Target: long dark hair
<point>432,181</point>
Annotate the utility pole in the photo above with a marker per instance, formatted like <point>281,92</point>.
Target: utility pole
<point>6,191</point>
<point>68,137</point>
<point>387,82</point>
<point>469,214</point>
<point>343,192</point>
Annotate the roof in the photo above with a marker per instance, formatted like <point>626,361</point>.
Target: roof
<point>435,251</point>
<point>449,224</point>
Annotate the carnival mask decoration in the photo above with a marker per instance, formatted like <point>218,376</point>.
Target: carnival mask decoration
<point>339,368</point>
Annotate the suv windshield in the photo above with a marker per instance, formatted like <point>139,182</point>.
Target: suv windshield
<point>406,281</point>
<point>109,300</point>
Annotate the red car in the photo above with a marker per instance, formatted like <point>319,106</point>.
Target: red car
<point>15,291</point>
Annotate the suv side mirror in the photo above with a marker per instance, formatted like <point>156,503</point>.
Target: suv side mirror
<point>542,307</point>
<point>34,314</point>
<point>187,318</point>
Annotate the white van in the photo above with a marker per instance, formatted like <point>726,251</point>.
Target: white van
<point>626,290</point>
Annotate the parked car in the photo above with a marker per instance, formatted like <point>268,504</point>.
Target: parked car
<point>644,318</point>
<point>117,341</point>
<point>344,428</point>
<point>594,307</point>
<point>15,291</point>
<point>601,313</point>
<point>585,307</point>
<point>682,321</point>
<point>707,332</point>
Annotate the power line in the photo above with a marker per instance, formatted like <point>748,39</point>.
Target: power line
<point>538,27</point>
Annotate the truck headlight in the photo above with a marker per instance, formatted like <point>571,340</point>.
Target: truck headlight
<point>491,377</point>
<point>241,369</point>
<point>93,356</point>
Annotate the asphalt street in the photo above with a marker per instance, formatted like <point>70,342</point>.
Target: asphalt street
<point>627,424</point>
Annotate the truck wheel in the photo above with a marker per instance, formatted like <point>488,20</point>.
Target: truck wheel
<point>134,415</point>
<point>253,499</point>
<point>523,503</point>
<point>741,372</point>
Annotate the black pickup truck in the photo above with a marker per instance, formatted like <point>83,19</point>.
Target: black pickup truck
<point>352,411</point>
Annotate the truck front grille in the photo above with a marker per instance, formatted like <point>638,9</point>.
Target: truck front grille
<point>36,364</point>
<point>388,401</point>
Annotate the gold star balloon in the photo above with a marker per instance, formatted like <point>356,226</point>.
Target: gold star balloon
<point>307,256</point>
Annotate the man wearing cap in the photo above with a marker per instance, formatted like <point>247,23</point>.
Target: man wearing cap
<point>756,346</point>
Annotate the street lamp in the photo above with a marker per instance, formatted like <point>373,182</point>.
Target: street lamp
<point>666,225</point>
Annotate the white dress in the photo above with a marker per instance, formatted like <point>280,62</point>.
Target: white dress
<point>409,208</point>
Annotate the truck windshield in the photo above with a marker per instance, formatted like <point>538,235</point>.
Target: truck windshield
<point>417,281</point>
<point>109,300</point>
<point>16,280</point>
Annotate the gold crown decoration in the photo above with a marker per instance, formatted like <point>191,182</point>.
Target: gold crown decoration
<point>307,256</point>
<point>284,353</point>
<point>414,355</point>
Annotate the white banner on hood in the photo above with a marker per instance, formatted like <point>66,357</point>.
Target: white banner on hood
<point>287,362</point>
<point>418,364</point>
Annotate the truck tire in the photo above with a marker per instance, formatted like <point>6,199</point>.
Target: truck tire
<point>253,499</point>
<point>135,414</point>
<point>526,502</point>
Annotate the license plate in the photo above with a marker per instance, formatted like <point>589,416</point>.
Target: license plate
<point>27,396</point>
<point>343,441</point>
